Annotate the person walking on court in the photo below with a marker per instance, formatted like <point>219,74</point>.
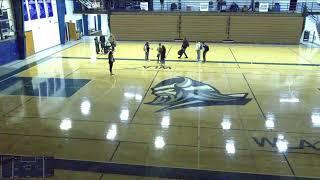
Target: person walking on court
<point>185,45</point>
<point>103,43</point>
<point>163,55</point>
<point>159,49</point>
<point>97,44</point>
<point>111,61</point>
<point>146,49</point>
<point>205,48</point>
<point>198,50</point>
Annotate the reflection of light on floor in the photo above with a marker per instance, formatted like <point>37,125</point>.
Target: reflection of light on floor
<point>230,147</point>
<point>129,95</point>
<point>93,59</point>
<point>85,107</point>
<point>269,124</point>
<point>159,142</point>
<point>124,115</point>
<point>112,132</point>
<point>282,144</point>
<point>289,100</point>
<point>136,96</point>
<point>165,121</point>
<point>66,124</point>
<point>226,124</point>
<point>315,117</point>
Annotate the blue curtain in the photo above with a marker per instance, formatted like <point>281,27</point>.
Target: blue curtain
<point>61,7</point>
<point>85,24</point>
<point>18,12</point>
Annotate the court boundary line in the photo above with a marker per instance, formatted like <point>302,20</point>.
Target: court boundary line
<point>194,61</point>
<point>159,171</point>
<point>234,57</point>
<point>150,143</point>
<point>145,95</point>
<point>157,125</point>
<point>263,114</point>
<point>291,169</point>
<point>32,64</point>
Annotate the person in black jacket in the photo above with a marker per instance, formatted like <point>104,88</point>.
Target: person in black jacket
<point>97,44</point>
<point>205,48</point>
<point>163,54</point>
<point>185,45</point>
<point>103,43</point>
<point>111,61</point>
<point>159,49</point>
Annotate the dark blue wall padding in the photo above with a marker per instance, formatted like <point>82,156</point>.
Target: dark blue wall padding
<point>9,51</point>
<point>77,6</point>
<point>85,24</point>
<point>17,8</point>
<point>61,7</point>
<point>99,22</point>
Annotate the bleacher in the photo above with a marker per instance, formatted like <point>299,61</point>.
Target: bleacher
<point>212,27</point>
<point>158,26</point>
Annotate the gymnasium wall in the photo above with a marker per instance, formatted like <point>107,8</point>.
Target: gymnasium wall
<point>45,31</point>
<point>70,16</point>
<point>145,27</point>
<point>266,29</point>
<point>213,27</point>
<point>104,25</point>
<point>311,26</point>
<point>6,5</point>
<point>91,22</point>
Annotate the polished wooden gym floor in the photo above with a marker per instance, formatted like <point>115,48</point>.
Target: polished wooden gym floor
<point>249,108</point>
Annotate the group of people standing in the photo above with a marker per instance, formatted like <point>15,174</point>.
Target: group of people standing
<point>106,48</point>
<point>200,46</point>
<point>109,48</point>
<point>161,51</point>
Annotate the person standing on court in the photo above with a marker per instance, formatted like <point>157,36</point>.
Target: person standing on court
<point>103,43</point>
<point>111,61</point>
<point>185,45</point>
<point>112,41</point>
<point>97,44</point>
<point>205,48</point>
<point>159,49</point>
<point>163,54</point>
<point>146,49</point>
<point>198,50</point>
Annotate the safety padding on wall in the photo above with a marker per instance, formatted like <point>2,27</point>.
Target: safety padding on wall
<point>204,28</point>
<point>210,27</point>
<point>161,27</point>
<point>266,29</point>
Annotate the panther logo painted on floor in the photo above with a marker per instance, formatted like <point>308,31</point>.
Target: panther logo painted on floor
<point>183,92</point>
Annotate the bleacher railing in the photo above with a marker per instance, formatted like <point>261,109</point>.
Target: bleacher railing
<point>211,6</point>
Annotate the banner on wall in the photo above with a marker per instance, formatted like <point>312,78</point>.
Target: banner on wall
<point>25,11</point>
<point>41,9</point>
<point>33,9</point>
<point>263,7</point>
<point>144,6</point>
<point>204,6</point>
<point>49,7</point>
